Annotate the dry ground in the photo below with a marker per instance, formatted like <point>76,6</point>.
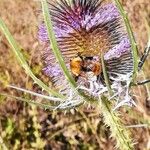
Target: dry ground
<point>25,127</point>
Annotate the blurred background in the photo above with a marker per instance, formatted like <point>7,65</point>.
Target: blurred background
<point>28,127</point>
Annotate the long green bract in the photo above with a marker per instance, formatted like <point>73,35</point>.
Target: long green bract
<point>17,51</point>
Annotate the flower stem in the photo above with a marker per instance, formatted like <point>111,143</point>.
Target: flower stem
<point>118,130</point>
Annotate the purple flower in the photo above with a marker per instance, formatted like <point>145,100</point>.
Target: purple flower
<point>87,28</point>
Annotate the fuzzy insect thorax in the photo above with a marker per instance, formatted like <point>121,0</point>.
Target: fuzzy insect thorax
<point>82,66</point>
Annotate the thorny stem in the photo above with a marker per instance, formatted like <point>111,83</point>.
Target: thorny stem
<point>131,36</point>
<point>119,132</point>
<point>111,118</point>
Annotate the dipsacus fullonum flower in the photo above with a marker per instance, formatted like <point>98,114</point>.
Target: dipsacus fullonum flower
<point>85,30</point>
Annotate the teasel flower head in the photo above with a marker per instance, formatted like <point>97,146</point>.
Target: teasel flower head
<point>85,30</point>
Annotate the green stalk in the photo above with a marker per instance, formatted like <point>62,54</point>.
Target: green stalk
<point>118,130</point>
<point>17,51</point>
<point>54,45</point>
<point>54,99</point>
<point>131,37</point>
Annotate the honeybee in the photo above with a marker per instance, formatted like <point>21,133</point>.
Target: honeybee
<point>80,66</point>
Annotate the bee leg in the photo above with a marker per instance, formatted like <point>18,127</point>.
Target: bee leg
<point>143,58</point>
<point>76,78</point>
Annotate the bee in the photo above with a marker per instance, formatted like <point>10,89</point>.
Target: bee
<point>81,66</point>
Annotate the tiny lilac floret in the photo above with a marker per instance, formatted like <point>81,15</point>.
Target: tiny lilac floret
<point>105,14</point>
<point>53,70</point>
<point>120,49</point>
<point>60,31</point>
